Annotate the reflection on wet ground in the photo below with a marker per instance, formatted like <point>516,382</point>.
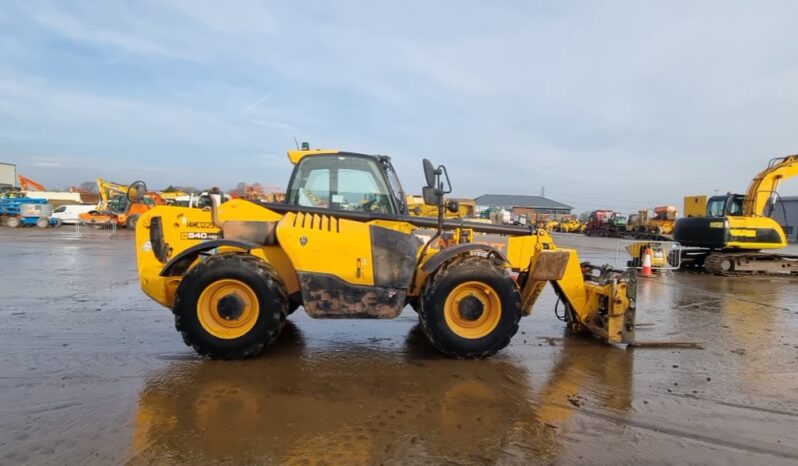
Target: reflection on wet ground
<point>92,372</point>
<point>366,407</point>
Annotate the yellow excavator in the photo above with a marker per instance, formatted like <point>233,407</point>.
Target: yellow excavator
<point>726,233</point>
<point>105,189</point>
<point>115,207</point>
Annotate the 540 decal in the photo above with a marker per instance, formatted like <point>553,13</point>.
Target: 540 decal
<point>199,235</point>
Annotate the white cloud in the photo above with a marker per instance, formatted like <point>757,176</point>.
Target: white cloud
<point>701,94</point>
<point>71,27</point>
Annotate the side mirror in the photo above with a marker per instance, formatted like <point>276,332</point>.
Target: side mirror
<point>430,195</point>
<point>429,173</point>
<point>136,191</point>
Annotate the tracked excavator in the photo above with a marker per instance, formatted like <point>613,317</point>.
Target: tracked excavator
<point>726,234</point>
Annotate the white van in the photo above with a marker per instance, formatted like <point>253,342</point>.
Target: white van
<point>70,213</point>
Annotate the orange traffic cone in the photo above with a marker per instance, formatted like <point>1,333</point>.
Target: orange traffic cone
<point>646,272</point>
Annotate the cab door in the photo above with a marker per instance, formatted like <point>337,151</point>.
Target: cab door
<point>346,267</point>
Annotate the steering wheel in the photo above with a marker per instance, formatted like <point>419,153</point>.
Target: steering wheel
<point>315,198</point>
<point>367,204</point>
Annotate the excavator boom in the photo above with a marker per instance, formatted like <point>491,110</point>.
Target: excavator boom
<point>762,189</point>
<point>28,184</point>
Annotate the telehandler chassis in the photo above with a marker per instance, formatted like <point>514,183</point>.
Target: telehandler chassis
<point>233,274</point>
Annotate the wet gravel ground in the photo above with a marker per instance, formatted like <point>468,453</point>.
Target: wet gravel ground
<point>92,372</point>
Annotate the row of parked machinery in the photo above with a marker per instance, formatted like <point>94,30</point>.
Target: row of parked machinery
<point>727,234</point>
<point>19,207</point>
<point>602,222</point>
<point>639,224</point>
<point>113,209</point>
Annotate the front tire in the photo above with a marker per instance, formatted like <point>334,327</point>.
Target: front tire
<point>14,222</point>
<point>231,306</point>
<point>470,308</point>
<point>42,222</point>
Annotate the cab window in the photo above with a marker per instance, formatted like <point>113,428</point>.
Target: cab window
<point>117,204</point>
<point>716,207</point>
<point>341,182</point>
<point>736,206</point>
<point>396,187</point>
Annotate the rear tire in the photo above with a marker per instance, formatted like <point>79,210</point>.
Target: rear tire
<point>42,222</point>
<point>14,222</point>
<point>470,308</point>
<point>231,306</point>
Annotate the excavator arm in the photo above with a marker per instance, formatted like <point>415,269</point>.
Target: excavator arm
<point>28,184</point>
<point>105,189</point>
<point>763,187</point>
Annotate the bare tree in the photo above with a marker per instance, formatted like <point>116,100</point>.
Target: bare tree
<point>89,186</point>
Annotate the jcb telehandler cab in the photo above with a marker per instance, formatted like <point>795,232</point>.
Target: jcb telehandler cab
<point>343,246</point>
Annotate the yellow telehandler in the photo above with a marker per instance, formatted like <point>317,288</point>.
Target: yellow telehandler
<point>343,246</point>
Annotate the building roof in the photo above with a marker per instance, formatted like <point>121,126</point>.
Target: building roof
<point>510,200</point>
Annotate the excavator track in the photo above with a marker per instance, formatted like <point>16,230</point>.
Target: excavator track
<point>736,264</point>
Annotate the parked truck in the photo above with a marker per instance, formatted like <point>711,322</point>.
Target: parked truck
<point>605,223</point>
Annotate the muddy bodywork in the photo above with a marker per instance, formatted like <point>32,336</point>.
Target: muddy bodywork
<point>327,296</point>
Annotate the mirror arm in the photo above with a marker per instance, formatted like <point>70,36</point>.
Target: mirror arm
<point>215,202</point>
<point>448,183</point>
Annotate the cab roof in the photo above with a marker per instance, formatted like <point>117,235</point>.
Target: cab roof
<point>296,155</point>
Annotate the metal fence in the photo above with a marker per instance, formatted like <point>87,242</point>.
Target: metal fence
<point>665,255</point>
<point>107,229</point>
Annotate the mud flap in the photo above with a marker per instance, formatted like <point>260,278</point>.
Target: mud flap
<point>545,266</point>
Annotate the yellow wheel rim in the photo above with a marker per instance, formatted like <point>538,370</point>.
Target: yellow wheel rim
<point>472,310</point>
<point>228,309</point>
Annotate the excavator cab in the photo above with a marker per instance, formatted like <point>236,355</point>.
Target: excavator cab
<point>729,204</point>
<point>118,204</point>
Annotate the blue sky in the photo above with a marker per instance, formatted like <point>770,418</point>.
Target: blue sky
<point>606,104</point>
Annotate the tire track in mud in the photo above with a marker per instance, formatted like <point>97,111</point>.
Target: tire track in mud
<point>739,405</point>
<point>700,435</point>
<point>716,295</point>
<point>86,364</point>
